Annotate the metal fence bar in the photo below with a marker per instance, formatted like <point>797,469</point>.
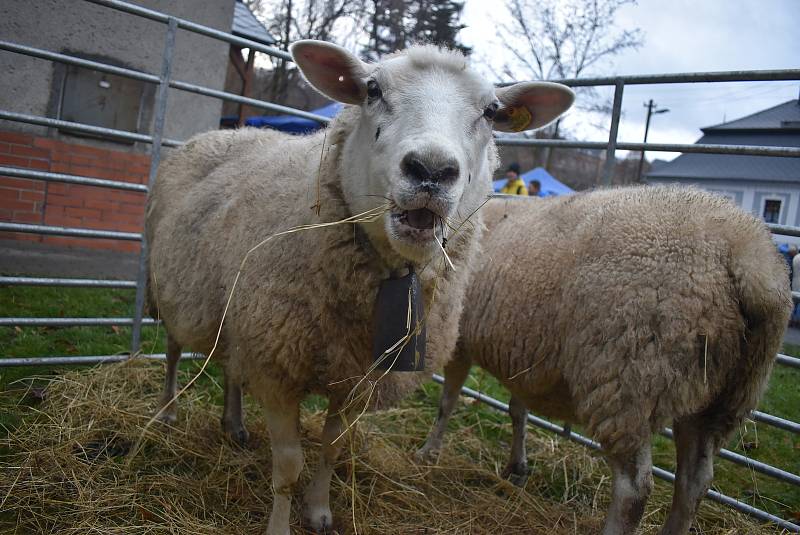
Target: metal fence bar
<point>704,148</point>
<point>200,90</point>
<point>783,230</point>
<point>786,360</point>
<point>192,27</point>
<point>69,283</point>
<point>742,507</point>
<point>775,75</point>
<point>71,322</point>
<point>155,160</point>
<point>775,421</point>
<point>138,75</point>
<point>99,359</point>
<point>611,148</point>
<point>80,62</point>
<point>69,231</point>
<point>658,472</point>
<point>742,460</point>
<point>70,179</point>
<point>751,150</point>
<point>80,127</point>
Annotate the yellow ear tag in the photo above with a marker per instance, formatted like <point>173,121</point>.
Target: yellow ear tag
<point>519,118</point>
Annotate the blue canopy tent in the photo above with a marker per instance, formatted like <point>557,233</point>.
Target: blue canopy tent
<point>293,124</point>
<point>550,186</point>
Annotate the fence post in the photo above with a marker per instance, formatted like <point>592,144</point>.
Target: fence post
<point>155,159</point>
<point>611,149</point>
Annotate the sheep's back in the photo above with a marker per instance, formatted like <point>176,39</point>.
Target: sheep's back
<point>215,198</point>
<point>623,303</point>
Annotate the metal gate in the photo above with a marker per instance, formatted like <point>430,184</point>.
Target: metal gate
<point>165,82</point>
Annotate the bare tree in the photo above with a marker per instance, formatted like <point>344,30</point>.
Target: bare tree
<point>290,20</point>
<point>550,39</point>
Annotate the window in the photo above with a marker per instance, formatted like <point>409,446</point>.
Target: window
<point>772,210</point>
<point>102,99</point>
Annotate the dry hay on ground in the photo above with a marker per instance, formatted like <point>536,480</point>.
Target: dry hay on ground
<point>70,471</point>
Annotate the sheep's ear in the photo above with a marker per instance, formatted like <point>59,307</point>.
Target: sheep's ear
<point>332,70</point>
<point>529,105</point>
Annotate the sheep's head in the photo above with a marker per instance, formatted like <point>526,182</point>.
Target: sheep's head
<point>424,136</point>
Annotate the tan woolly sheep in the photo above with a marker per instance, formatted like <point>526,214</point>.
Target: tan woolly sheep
<point>624,310</point>
<point>417,138</point>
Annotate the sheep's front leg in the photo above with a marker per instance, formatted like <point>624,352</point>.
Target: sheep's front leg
<point>317,509</point>
<point>168,413</point>
<point>232,417</point>
<point>283,422</point>
<point>632,481</point>
<point>517,468</point>
<point>695,449</point>
<point>455,373</point>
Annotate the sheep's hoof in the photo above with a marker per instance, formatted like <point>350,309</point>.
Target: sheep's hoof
<point>517,474</point>
<point>320,520</point>
<point>236,434</point>
<point>168,415</point>
<point>427,454</point>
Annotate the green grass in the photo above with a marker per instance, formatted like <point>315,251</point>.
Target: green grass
<point>759,441</point>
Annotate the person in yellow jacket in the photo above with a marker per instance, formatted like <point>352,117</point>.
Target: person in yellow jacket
<point>515,185</point>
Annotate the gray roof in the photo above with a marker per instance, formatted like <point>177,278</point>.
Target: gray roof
<point>786,115</point>
<point>778,126</point>
<point>246,25</point>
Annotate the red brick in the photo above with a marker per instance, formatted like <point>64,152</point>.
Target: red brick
<point>127,246</point>
<point>45,143</point>
<point>62,200</point>
<point>17,205</point>
<point>21,183</point>
<point>15,161</point>
<point>5,148</point>
<point>98,204</point>
<point>6,215</point>
<point>57,167</point>
<point>96,172</point>
<point>55,188</point>
<point>130,208</point>
<point>42,165</point>
<point>61,221</point>
<point>37,196</point>
<point>127,227</point>
<point>30,152</point>
<point>71,211</point>
<point>17,138</point>
<point>120,217</point>
<point>27,217</point>
<point>20,236</point>
<point>90,152</point>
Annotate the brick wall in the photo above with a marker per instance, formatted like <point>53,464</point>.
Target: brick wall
<point>70,205</point>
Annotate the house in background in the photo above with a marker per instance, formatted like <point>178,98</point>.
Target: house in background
<point>768,186</point>
<point>49,89</point>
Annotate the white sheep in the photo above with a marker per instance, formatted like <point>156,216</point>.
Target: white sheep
<point>624,310</point>
<point>416,136</point>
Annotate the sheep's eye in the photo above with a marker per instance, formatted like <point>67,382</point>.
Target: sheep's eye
<point>491,111</point>
<point>373,90</point>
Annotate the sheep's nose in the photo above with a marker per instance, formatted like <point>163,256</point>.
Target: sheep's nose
<point>429,169</point>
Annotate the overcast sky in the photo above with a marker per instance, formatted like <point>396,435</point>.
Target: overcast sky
<point>681,36</point>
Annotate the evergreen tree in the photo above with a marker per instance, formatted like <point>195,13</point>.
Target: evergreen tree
<point>396,24</point>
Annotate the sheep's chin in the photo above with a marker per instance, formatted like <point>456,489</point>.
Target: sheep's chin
<point>416,245</point>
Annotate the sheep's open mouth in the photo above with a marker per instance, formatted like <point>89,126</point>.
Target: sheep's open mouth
<point>421,219</point>
<point>415,225</point>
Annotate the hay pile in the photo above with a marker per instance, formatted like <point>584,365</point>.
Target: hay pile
<point>70,471</point>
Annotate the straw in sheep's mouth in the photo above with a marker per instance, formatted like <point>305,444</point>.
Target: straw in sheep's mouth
<point>421,219</point>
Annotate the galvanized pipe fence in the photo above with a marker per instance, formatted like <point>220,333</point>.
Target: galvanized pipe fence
<point>165,82</point>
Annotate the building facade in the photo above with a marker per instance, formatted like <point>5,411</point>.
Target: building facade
<point>764,185</point>
<point>54,90</point>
